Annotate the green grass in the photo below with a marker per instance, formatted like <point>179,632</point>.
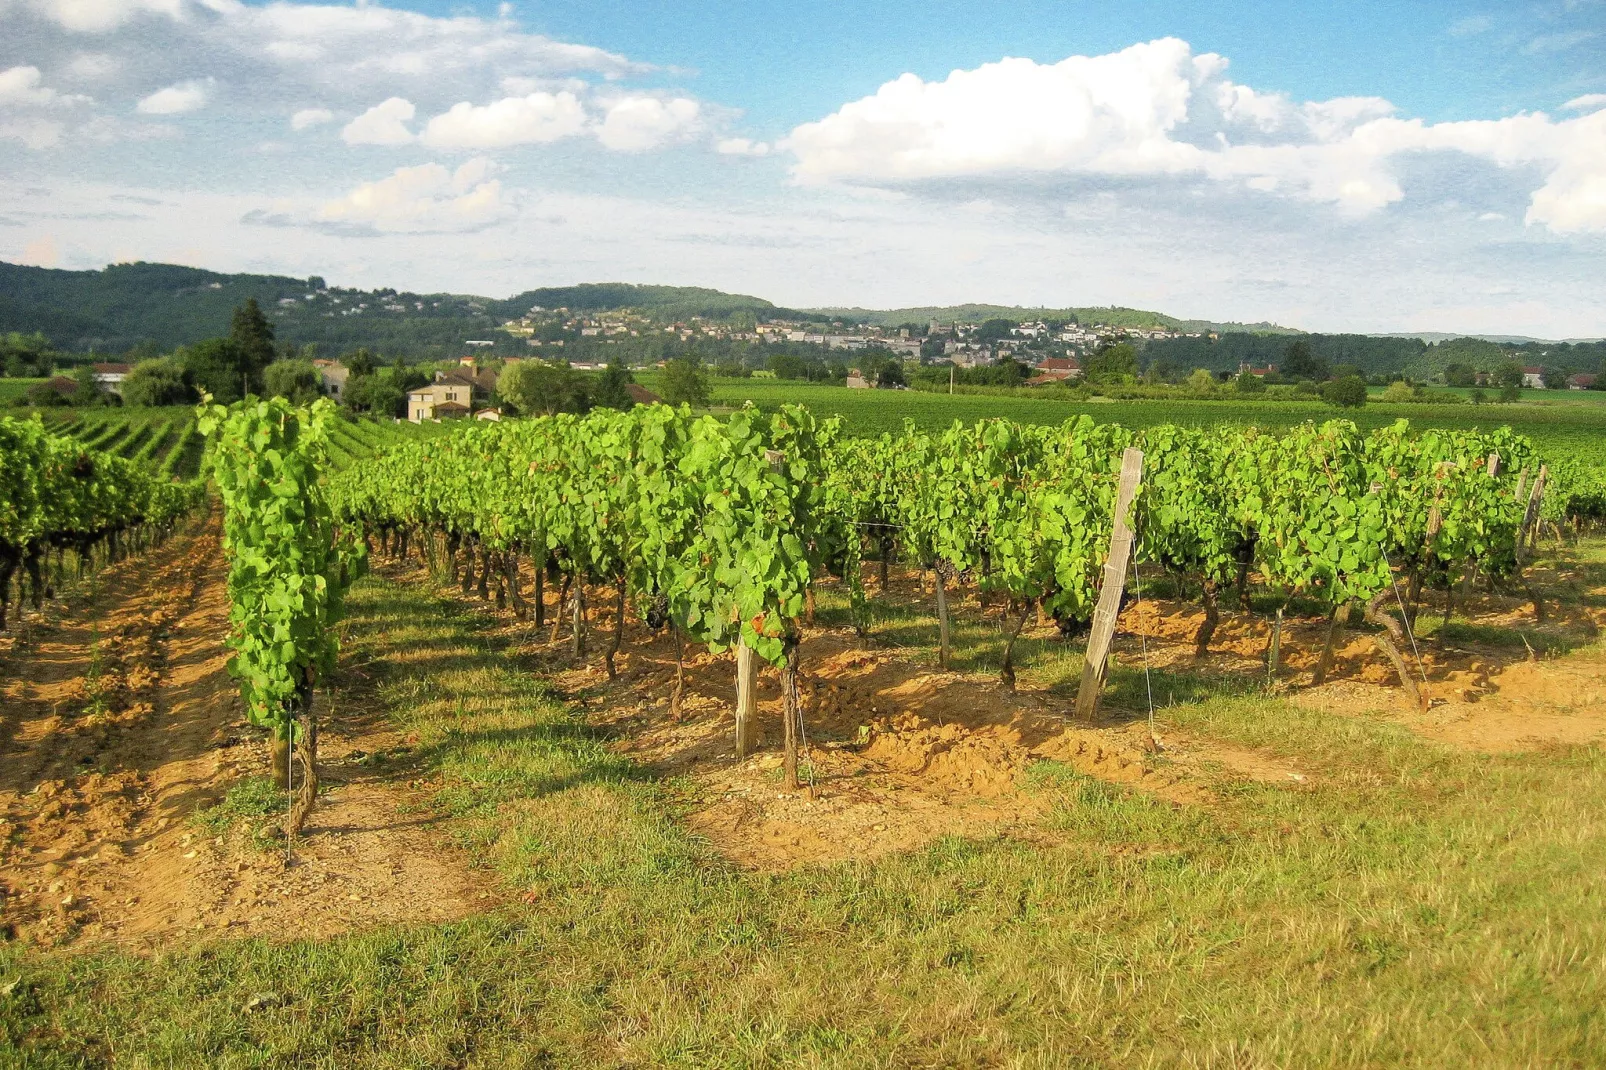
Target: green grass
<point>1407,905</point>
<point>1559,424</point>
<point>12,389</point>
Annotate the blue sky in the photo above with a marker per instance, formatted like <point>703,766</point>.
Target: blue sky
<point>1366,166</point>
<point>788,63</point>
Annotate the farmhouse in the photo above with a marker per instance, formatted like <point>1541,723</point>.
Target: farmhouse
<point>1057,370</point>
<point>1533,377</point>
<point>438,401</point>
<point>332,377</point>
<point>109,377</point>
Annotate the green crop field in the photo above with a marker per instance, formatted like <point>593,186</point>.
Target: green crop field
<point>12,389</point>
<point>1571,423</point>
<point>166,439</point>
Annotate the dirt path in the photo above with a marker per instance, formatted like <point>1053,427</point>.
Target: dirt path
<point>122,722</point>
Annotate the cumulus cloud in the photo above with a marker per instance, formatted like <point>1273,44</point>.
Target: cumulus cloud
<point>1587,102</point>
<point>1157,109</point>
<point>23,87</point>
<point>177,99</point>
<point>383,124</point>
<point>93,66</point>
<point>533,119</point>
<point>420,200</point>
<point>741,146</point>
<point>99,16</point>
<point>286,47</point>
<point>34,133</point>
<point>309,117</point>
<point>635,123</point>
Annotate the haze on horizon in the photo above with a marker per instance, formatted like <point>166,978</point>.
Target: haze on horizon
<point>1374,169</point>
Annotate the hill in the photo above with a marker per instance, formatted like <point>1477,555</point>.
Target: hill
<point>1112,315</point>
<point>659,302</point>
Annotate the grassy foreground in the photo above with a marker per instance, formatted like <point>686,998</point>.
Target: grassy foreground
<point>1407,905</point>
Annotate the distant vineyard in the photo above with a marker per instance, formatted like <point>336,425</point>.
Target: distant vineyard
<point>165,440</point>
<point>58,496</point>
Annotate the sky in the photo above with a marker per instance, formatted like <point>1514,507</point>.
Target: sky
<point>1374,167</point>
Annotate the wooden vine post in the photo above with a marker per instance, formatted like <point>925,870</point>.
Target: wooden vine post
<point>1109,603</point>
<point>747,674</point>
<point>746,698</point>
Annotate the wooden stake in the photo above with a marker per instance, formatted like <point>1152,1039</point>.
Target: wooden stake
<point>577,633</point>
<point>1274,650</point>
<point>942,618</point>
<point>1108,610</point>
<point>791,712</point>
<point>746,699</point>
<point>1335,626</point>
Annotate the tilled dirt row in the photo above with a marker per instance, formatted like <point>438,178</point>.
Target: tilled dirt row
<point>122,724</point>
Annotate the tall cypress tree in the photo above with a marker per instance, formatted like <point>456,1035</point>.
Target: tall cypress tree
<point>252,335</point>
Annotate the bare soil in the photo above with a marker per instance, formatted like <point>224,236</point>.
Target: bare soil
<point>121,723</point>
<point>899,753</point>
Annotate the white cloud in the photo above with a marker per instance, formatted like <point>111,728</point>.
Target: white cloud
<point>22,87</point>
<point>99,16</point>
<point>423,199</point>
<point>177,99</point>
<point>383,124</point>
<point>1558,42</point>
<point>532,119</point>
<point>635,123</point>
<point>741,146</point>
<point>1157,110</point>
<point>93,66</point>
<point>308,117</point>
<point>1587,102</point>
<point>1471,25</point>
<point>34,133</point>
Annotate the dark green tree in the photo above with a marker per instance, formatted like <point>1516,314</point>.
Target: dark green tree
<point>89,394</point>
<point>890,374</point>
<point>1459,375</point>
<point>610,391</point>
<point>1300,362</point>
<point>787,366</point>
<point>296,380</point>
<point>1117,362</point>
<point>359,362</point>
<point>252,335</point>
<point>534,388</point>
<point>162,381</point>
<point>218,367</point>
<point>992,330</point>
<point>1346,393</point>
<point>1508,374</point>
<point>377,394</point>
<point>684,383</point>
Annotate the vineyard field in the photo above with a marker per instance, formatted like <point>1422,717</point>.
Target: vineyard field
<point>1560,422</point>
<point>165,438</point>
<point>1347,753</point>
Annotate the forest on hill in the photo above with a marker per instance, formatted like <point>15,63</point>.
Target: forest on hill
<point>158,307</point>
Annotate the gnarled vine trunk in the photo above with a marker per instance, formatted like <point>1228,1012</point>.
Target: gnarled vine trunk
<point>1389,641</point>
<point>1006,671</point>
<point>1207,627</point>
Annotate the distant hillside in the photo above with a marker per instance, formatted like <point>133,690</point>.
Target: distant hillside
<point>126,304</point>
<point>1111,315</point>
<point>659,302</point>
<point>114,309</point>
